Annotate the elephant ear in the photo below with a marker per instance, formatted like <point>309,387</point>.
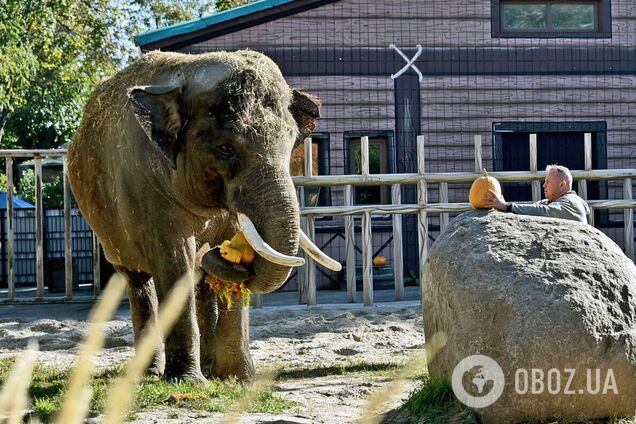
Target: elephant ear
<point>305,108</point>
<point>157,111</point>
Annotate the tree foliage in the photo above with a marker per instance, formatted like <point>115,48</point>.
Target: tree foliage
<point>69,44</point>
<point>53,52</point>
<point>160,13</point>
<point>222,5</point>
<point>52,191</point>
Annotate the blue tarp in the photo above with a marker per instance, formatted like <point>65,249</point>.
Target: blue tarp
<point>18,202</point>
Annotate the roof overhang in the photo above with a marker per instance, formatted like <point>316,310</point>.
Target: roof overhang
<point>187,33</point>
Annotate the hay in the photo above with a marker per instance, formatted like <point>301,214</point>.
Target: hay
<point>258,93</point>
<point>72,411</point>
<point>14,395</point>
<point>169,311</point>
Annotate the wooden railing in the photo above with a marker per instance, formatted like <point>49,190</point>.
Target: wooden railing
<point>307,278</point>
<point>37,155</point>
<point>423,208</point>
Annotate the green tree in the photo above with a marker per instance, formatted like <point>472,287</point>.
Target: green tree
<point>53,53</point>
<point>4,181</point>
<point>17,60</point>
<point>228,4</point>
<point>52,191</point>
<point>153,14</point>
<point>72,42</point>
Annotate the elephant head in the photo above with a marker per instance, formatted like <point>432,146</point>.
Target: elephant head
<point>224,134</point>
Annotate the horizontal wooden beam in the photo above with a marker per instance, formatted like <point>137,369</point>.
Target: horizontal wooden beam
<point>435,208</point>
<point>454,177</point>
<point>30,153</point>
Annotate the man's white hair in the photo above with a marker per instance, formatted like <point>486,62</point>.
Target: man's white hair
<point>563,172</point>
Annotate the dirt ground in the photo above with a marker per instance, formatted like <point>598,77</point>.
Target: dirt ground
<point>293,337</point>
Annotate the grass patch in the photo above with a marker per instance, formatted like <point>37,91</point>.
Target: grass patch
<point>435,403</point>
<point>381,369</point>
<point>49,385</point>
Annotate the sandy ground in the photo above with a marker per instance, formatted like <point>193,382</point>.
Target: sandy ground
<point>293,337</point>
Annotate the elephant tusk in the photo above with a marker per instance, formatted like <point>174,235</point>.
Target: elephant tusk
<point>262,248</point>
<point>312,250</point>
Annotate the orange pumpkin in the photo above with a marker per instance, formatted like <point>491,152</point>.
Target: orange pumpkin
<point>380,261</point>
<point>479,190</point>
<point>237,250</point>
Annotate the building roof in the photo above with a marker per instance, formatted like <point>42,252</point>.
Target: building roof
<point>18,202</point>
<point>183,34</point>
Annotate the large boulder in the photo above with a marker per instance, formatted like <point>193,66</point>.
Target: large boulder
<point>552,302</point>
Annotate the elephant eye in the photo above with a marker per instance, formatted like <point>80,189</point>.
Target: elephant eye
<point>224,151</point>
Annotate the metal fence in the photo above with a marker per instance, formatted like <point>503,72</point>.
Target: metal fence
<point>53,238</point>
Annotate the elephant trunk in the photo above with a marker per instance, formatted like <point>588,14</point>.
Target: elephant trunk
<point>271,205</point>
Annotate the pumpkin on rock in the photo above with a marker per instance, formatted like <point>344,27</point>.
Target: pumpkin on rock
<point>479,190</point>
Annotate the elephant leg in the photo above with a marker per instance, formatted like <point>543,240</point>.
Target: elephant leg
<point>207,316</point>
<point>232,339</point>
<point>182,343</point>
<point>143,308</point>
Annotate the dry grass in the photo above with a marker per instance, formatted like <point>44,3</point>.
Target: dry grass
<point>172,307</point>
<point>72,411</point>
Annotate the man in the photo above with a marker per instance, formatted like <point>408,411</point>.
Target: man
<point>560,201</point>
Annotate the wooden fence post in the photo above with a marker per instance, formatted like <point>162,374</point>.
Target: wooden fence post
<point>68,233</point>
<point>367,260</point>
<point>310,263</point>
<point>536,184</point>
<point>97,275</point>
<point>39,230</point>
<point>367,235</point>
<point>350,246</point>
<point>398,257</point>
<point>301,273</point>
<point>628,218</point>
<point>422,215</point>
<point>479,166</point>
<point>10,231</point>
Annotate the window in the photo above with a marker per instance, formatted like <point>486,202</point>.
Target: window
<point>557,142</point>
<point>314,196</point>
<point>380,162</point>
<point>551,18</point>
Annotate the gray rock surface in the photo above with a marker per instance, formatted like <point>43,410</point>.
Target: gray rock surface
<point>536,294</point>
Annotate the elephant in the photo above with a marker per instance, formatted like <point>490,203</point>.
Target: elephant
<point>174,154</point>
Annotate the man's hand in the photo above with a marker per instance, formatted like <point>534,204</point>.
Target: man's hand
<point>493,200</point>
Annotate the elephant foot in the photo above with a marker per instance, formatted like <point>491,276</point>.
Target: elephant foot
<point>154,372</point>
<point>190,377</point>
<point>208,369</point>
<point>243,371</point>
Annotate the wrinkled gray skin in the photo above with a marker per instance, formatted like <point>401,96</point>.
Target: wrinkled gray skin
<point>168,151</point>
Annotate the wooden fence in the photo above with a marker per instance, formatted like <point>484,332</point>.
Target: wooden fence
<point>307,284</point>
<point>37,155</point>
<point>423,208</point>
